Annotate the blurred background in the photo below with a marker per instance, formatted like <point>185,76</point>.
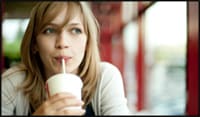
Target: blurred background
<point>154,45</point>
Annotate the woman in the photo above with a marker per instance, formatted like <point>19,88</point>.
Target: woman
<point>58,30</point>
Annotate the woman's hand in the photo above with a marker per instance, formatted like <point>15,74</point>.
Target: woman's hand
<point>55,105</point>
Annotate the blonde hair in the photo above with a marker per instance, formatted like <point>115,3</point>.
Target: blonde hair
<point>89,69</point>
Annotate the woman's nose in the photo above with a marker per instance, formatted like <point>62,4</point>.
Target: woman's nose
<point>62,40</point>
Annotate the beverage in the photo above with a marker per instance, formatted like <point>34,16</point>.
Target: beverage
<point>65,82</point>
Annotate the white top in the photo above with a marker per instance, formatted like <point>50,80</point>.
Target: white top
<point>109,98</point>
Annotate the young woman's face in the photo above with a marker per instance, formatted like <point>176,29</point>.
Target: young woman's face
<point>55,43</point>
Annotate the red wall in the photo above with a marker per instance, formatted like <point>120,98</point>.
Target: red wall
<point>192,60</point>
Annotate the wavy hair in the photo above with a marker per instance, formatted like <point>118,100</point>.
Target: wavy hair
<point>89,69</point>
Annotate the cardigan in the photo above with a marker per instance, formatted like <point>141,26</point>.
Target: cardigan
<point>109,97</point>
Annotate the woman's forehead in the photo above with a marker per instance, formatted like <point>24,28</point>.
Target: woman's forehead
<point>63,13</point>
<point>61,17</point>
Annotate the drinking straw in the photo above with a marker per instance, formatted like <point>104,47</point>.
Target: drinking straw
<point>63,65</point>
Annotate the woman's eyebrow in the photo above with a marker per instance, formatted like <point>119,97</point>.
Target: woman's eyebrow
<point>51,24</point>
<point>66,25</point>
<point>74,24</point>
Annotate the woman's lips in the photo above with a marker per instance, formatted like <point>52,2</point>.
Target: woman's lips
<point>59,59</point>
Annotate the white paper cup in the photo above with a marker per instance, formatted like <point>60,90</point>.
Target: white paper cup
<point>65,82</point>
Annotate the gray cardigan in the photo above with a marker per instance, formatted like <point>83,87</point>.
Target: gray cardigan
<point>109,98</point>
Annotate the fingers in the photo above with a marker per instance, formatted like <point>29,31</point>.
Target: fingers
<point>56,104</point>
<point>72,112</point>
<point>59,96</point>
<point>62,100</point>
<point>67,102</point>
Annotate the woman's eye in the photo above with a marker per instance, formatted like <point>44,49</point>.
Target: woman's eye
<point>49,31</point>
<point>76,31</point>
